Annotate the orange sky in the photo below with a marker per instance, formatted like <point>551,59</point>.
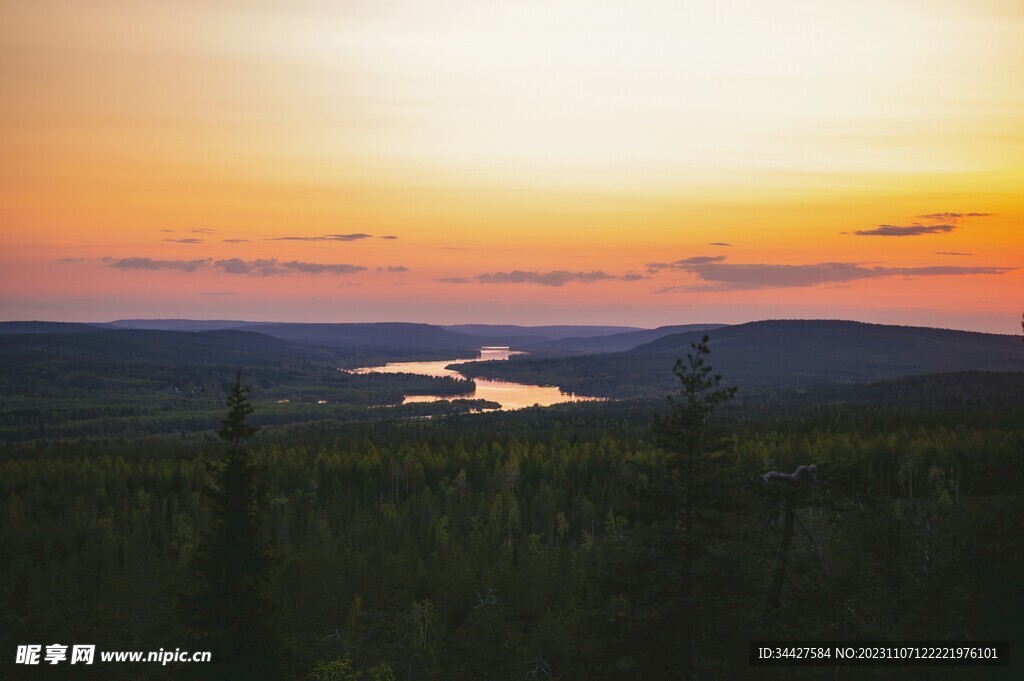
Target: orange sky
<point>537,162</point>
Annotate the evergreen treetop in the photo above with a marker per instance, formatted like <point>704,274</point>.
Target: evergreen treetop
<point>233,428</point>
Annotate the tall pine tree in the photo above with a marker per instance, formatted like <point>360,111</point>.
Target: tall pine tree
<point>650,609</point>
<point>227,605</point>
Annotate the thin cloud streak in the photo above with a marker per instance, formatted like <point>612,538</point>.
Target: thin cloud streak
<point>269,267</point>
<point>905,230</point>
<point>266,267</point>
<point>683,264</point>
<point>552,278</point>
<point>332,237</point>
<point>721,276</point>
<point>953,217</point>
<point>154,264</point>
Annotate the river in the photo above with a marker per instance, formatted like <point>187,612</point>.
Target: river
<point>506,393</point>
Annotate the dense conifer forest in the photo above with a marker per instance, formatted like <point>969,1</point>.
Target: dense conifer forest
<point>622,540</point>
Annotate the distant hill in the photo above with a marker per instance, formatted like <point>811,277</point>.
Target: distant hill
<point>183,324</point>
<point>130,381</point>
<point>398,338</point>
<point>535,334</point>
<point>394,336</point>
<point>617,342</point>
<point>773,354</point>
<point>538,332</point>
<point>97,362</point>
<point>102,362</point>
<point>166,347</point>
<point>806,351</point>
<point>400,333</point>
<point>10,328</point>
<point>363,336</point>
<point>375,336</point>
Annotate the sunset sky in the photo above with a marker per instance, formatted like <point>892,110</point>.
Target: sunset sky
<point>444,161</point>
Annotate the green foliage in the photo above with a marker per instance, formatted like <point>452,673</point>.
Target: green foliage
<point>233,429</point>
<point>393,548</point>
<point>770,356</point>
<point>341,670</point>
<point>227,604</point>
<point>684,433</point>
<point>651,590</point>
<point>131,383</point>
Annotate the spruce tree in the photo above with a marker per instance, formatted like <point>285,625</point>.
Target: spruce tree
<point>227,605</point>
<point>650,602</point>
<point>234,429</point>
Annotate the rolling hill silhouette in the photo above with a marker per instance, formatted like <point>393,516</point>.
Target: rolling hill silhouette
<point>772,353</point>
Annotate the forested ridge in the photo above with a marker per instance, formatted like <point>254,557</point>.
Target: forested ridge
<point>770,355</point>
<point>131,383</point>
<point>499,546</point>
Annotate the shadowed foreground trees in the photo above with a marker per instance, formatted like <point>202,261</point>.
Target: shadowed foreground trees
<point>227,605</point>
<point>659,585</point>
<point>543,544</point>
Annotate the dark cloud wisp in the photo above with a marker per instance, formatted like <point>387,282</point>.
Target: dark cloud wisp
<point>722,276</point>
<point>683,264</point>
<point>266,267</point>
<point>552,278</point>
<point>332,237</point>
<point>154,265</point>
<point>269,267</point>
<point>953,217</point>
<point>325,237</point>
<point>905,230</point>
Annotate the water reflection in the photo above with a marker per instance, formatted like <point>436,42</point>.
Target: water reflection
<point>508,394</point>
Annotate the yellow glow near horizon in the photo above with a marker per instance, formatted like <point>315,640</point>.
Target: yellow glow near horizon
<point>531,136</point>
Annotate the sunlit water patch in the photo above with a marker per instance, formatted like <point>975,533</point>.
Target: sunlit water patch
<point>508,394</point>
